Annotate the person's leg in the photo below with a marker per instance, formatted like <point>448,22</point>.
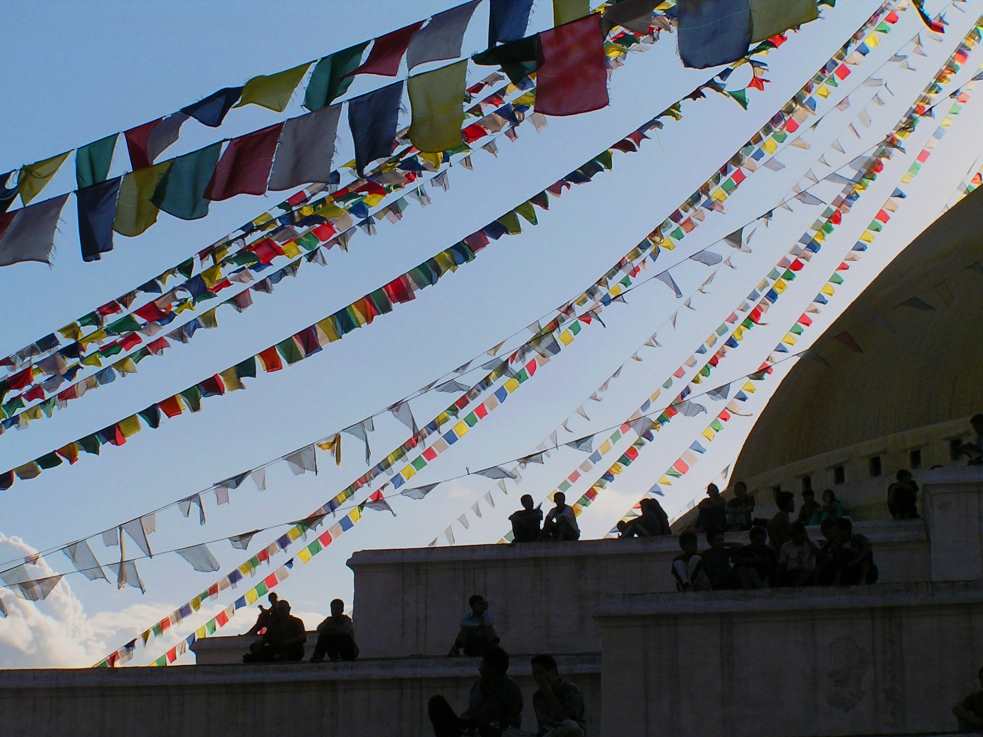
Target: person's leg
<point>347,649</point>
<point>320,648</point>
<point>443,718</point>
<point>568,728</point>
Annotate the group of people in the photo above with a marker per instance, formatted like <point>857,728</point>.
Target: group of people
<point>560,522</point>
<point>282,637</point>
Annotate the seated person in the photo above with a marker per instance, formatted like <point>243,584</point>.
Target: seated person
<point>495,703</point>
<point>652,522</point>
<point>740,508</point>
<point>561,522</point>
<point>525,522</point>
<point>712,512</point>
<point>969,711</point>
<point>826,554</point>
<point>477,633</point>
<point>284,639</point>
<point>973,449</point>
<point>687,568</point>
<point>755,563</point>
<point>857,557</point>
<point>717,562</point>
<point>263,619</point>
<point>336,636</point>
<point>832,507</point>
<point>810,511</point>
<point>902,496</point>
<point>780,526</point>
<point>797,558</point>
<point>558,703</point>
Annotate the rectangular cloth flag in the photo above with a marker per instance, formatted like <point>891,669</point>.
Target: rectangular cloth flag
<point>182,192</point>
<point>306,149</point>
<point>372,118</point>
<point>507,20</point>
<point>437,99</point>
<point>441,38</point>
<point>92,161</point>
<point>565,11</point>
<point>387,52</point>
<point>331,77</point>
<point>245,166</point>
<point>28,234</point>
<point>572,72</point>
<point>211,111</point>
<point>713,32</point>
<point>771,17</point>
<point>272,91</point>
<point>34,177</point>
<point>96,212</point>
<point>135,210</point>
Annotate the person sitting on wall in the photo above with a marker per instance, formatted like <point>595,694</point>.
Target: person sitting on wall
<point>284,639</point>
<point>717,561</point>
<point>652,522</point>
<point>561,522</point>
<point>797,559</point>
<point>973,449</point>
<point>826,553</point>
<point>526,521</point>
<point>558,703</point>
<point>755,563</point>
<point>711,513</point>
<point>857,564</point>
<point>477,634</point>
<point>740,508</point>
<point>832,507</point>
<point>687,568</point>
<point>336,636</point>
<point>810,512</point>
<point>494,705</point>
<point>263,619</point>
<point>969,711</point>
<point>902,496</point>
<point>780,526</point>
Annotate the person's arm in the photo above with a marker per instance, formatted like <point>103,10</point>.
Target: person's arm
<point>966,715</point>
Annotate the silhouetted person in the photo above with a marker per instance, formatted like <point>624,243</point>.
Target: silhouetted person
<point>755,563</point>
<point>857,563</point>
<point>902,496</point>
<point>832,507</point>
<point>826,553</point>
<point>969,711</point>
<point>561,522</point>
<point>687,567</point>
<point>495,703</point>
<point>810,513</point>
<point>284,639</point>
<point>477,634</point>
<point>717,562</point>
<point>263,619</point>
<point>797,558</point>
<point>558,703</point>
<point>973,448</point>
<point>780,526</point>
<point>711,513</point>
<point>336,636</point>
<point>740,508</point>
<point>652,522</point>
<point>526,521</point>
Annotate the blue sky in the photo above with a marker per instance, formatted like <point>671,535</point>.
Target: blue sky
<point>127,63</point>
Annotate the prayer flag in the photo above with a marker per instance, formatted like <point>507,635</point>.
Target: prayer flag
<point>771,17</point>
<point>211,111</point>
<point>372,119</point>
<point>181,191</point>
<point>272,91</point>
<point>331,77</point>
<point>441,38</point>
<point>387,52</point>
<point>245,166</point>
<point>713,32</point>
<point>635,15</point>
<point>28,234</point>
<point>306,149</point>
<point>135,210</point>
<point>507,20</point>
<point>565,11</point>
<point>96,212</point>
<point>437,99</point>
<point>200,558</point>
<point>572,72</point>
<point>92,161</point>
<point>34,177</point>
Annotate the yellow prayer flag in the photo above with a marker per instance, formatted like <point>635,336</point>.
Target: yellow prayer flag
<point>72,331</point>
<point>355,515</point>
<point>96,337</point>
<point>749,387</point>
<point>605,447</point>
<point>408,472</point>
<point>872,41</point>
<point>718,195</point>
<point>769,146</point>
<point>373,199</point>
<point>245,569</point>
<point>291,249</point>
<point>437,100</point>
<point>272,91</point>
<point>779,285</point>
<point>789,339</point>
<point>260,220</point>
<point>126,366</point>
<point>201,633</point>
<point>135,210</point>
<point>771,17</point>
<point>91,360</point>
<point>511,385</point>
<point>333,445</point>
<point>867,236</point>
<point>739,333</point>
<point>294,532</point>
<point>461,429</point>
<point>212,276</point>
<point>665,481</point>
<point>251,596</point>
<point>196,604</point>
<point>231,380</point>
<point>827,289</point>
<point>327,328</point>
<point>34,177</point>
<point>304,555</point>
<point>709,433</point>
<point>566,337</point>
<point>565,11</point>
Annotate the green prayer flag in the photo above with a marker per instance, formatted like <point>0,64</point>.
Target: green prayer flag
<point>272,91</point>
<point>187,267</point>
<point>419,463</point>
<point>836,279</point>
<point>192,396</point>
<point>92,161</point>
<point>437,100</point>
<point>527,211</point>
<point>92,320</point>
<point>48,460</point>
<point>565,11</point>
<point>290,350</point>
<point>605,160</point>
<point>182,192</point>
<point>740,96</point>
<point>90,444</point>
<point>125,324</point>
<point>511,222</point>
<point>771,17</point>
<point>329,80</point>
<point>247,369</point>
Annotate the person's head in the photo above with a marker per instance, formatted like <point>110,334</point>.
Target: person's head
<point>337,607</point>
<point>828,528</point>
<point>712,491</point>
<point>622,527</point>
<point>976,421</point>
<point>844,528</point>
<point>740,489</point>
<point>903,475</point>
<point>283,607</point>
<point>808,496</point>
<point>526,501</point>
<point>688,542</point>
<point>647,506</point>
<point>798,533</point>
<point>494,663</point>
<point>272,598</point>
<point>829,497</point>
<point>544,669</point>
<point>478,604</point>
<point>785,501</point>
<point>758,535</point>
<point>715,539</point>
<point>560,500</point>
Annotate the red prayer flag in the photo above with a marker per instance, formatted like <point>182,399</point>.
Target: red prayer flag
<point>170,406</point>
<point>129,340</point>
<point>387,52</point>
<point>245,166</point>
<point>35,392</point>
<point>150,312</point>
<point>138,141</point>
<point>324,232</point>
<point>266,250</point>
<point>271,359</point>
<point>21,379</point>
<point>572,75</point>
